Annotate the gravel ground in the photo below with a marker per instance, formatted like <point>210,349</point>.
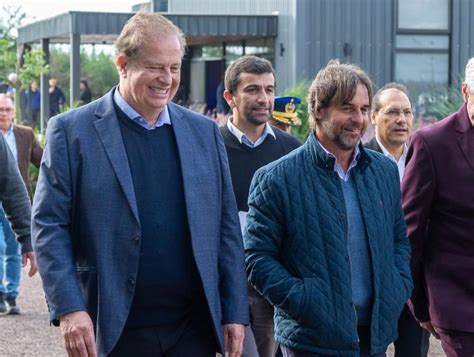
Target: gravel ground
<point>30,334</point>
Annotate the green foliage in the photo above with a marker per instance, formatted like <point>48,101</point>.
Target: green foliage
<point>99,71</point>
<point>97,68</point>
<point>300,90</point>
<point>34,65</point>
<point>443,102</point>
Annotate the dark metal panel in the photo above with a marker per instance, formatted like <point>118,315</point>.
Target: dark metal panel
<point>356,31</point>
<point>56,26</point>
<point>462,38</point>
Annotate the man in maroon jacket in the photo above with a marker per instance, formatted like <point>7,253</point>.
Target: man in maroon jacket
<point>438,201</point>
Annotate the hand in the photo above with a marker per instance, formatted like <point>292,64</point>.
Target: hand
<point>31,257</point>
<point>78,333</point>
<point>234,339</point>
<point>428,326</point>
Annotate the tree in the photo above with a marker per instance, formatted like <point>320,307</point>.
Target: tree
<point>33,60</point>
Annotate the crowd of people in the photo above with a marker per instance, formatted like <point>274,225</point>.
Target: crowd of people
<point>158,233</point>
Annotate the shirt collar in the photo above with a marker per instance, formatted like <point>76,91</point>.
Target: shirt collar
<point>344,175</point>
<point>163,118</point>
<point>243,139</point>
<point>387,153</point>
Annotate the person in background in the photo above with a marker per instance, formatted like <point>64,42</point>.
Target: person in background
<point>392,117</point>
<point>85,94</point>
<point>438,201</point>
<point>285,114</point>
<point>30,103</point>
<point>25,149</point>
<point>56,97</point>
<point>316,244</point>
<point>250,144</point>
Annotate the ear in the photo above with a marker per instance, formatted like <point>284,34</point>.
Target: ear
<point>373,117</point>
<point>229,98</point>
<point>121,64</point>
<point>465,91</point>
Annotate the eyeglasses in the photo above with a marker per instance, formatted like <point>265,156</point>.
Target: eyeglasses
<point>395,114</point>
<point>6,110</point>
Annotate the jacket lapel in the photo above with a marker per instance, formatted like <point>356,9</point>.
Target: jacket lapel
<point>465,135</point>
<point>108,129</point>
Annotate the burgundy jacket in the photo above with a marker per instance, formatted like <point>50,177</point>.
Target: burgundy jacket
<point>438,202</point>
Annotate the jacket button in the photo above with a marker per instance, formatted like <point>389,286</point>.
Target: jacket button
<point>131,282</point>
<point>347,258</point>
<point>136,238</point>
<point>355,344</point>
<point>342,217</point>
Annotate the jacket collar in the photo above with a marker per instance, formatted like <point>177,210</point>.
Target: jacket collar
<point>325,161</point>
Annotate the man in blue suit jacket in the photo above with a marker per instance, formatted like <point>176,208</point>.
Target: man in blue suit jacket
<point>135,223</point>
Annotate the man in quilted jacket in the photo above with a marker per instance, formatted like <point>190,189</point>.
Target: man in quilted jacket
<point>326,241</point>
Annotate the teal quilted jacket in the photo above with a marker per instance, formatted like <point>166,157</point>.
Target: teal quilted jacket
<point>296,254</point>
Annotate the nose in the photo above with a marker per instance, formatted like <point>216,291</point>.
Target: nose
<point>165,76</point>
<point>264,97</point>
<point>360,116</point>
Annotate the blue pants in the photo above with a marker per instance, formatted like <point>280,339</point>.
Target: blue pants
<point>10,259</point>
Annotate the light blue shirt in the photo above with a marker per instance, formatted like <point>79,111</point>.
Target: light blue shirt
<point>338,168</point>
<point>11,141</point>
<point>243,139</point>
<point>163,118</point>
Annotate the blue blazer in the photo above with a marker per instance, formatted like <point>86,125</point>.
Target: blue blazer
<point>85,224</point>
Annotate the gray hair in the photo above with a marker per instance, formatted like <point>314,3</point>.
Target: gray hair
<point>137,30</point>
<point>469,79</point>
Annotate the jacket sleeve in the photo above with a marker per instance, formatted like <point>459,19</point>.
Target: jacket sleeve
<point>418,187</point>
<point>231,264</point>
<point>12,196</point>
<point>51,225</point>
<point>263,239</point>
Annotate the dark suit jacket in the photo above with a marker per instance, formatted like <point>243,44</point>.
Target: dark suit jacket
<point>29,150</point>
<point>438,201</point>
<point>86,229</point>
<point>374,145</point>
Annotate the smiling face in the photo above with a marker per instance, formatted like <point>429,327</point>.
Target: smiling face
<point>340,127</point>
<point>150,81</point>
<point>394,120</point>
<point>252,102</point>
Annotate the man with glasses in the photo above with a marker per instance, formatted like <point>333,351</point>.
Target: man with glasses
<point>392,117</point>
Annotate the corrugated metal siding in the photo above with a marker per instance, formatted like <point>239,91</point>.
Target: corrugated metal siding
<point>326,27</point>
<point>284,65</point>
<point>58,25</point>
<point>462,39</point>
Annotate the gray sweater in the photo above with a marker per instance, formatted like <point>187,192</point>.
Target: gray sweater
<point>14,197</point>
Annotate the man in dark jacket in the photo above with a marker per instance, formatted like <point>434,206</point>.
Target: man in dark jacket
<point>392,117</point>
<point>15,202</point>
<point>326,241</point>
<point>252,143</point>
<point>438,201</point>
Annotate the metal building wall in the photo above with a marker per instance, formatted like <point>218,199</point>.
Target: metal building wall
<point>357,31</point>
<point>285,64</point>
<point>462,37</point>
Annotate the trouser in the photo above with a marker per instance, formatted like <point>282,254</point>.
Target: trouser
<point>412,339</point>
<point>10,260</point>
<point>364,346</point>
<point>194,337</point>
<point>457,343</point>
<point>259,338</point>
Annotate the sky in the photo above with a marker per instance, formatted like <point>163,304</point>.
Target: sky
<point>42,9</point>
